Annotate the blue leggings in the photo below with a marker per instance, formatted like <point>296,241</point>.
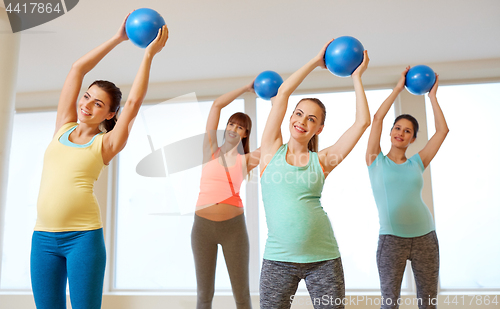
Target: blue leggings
<point>79,257</point>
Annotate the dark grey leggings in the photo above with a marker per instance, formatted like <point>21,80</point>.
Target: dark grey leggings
<point>324,281</point>
<point>232,236</point>
<point>423,252</point>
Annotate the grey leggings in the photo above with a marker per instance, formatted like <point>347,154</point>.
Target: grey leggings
<point>232,236</point>
<point>324,281</point>
<point>423,252</point>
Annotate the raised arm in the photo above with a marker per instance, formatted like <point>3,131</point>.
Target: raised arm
<point>373,148</point>
<point>66,108</point>
<point>433,145</point>
<point>271,138</point>
<point>214,114</point>
<point>252,159</point>
<point>115,140</point>
<point>333,155</point>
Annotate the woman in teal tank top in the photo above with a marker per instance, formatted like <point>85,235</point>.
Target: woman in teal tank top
<point>68,243</point>
<point>301,243</point>
<point>406,224</point>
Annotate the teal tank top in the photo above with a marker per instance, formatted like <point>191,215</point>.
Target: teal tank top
<point>397,189</point>
<point>299,230</point>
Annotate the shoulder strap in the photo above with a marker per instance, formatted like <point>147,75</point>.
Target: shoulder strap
<point>65,128</point>
<point>227,171</point>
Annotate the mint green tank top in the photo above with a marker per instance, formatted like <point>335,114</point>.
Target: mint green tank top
<point>397,189</point>
<point>299,229</point>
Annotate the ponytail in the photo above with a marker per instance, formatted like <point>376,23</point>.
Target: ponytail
<point>313,143</point>
<point>108,124</point>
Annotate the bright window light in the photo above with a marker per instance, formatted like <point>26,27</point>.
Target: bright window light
<point>465,181</point>
<point>32,133</point>
<point>154,220</point>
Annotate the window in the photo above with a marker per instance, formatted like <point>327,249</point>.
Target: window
<point>465,186</point>
<point>155,214</point>
<point>32,132</point>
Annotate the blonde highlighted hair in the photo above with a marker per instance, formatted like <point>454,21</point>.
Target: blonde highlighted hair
<point>314,141</point>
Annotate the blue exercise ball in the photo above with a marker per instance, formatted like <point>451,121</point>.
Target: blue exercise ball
<point>344,55</point>
<point>266,84</point>
<point>142,26</point>
<point>420,79</point>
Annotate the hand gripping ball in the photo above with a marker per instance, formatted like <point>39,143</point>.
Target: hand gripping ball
<point>266,84</point>
<point>142,26</point>
<point>420,79</point>
<point>344,55</point>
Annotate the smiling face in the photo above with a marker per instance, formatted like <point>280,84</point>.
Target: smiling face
<point>238,128</point>
<point>306,121</point>
<point>94,106</point>
<point>235,132</point>
<point>402,133</point>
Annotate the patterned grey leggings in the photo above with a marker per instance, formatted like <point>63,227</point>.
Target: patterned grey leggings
<point>233,238</point>
<point>324,281</point>
<point>423,252</point>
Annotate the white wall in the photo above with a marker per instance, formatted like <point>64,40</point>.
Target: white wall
<point>9,54</point>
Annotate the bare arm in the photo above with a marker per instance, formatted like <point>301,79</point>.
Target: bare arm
<point>115,140</point>
<point>373,148</point>
<point>435,142</point>
<point>252,159</point>
<point>66,108</point>
<point>271,138</point>
<point>333,155</point>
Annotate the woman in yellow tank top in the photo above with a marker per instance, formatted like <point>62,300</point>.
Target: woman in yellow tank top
<point>68,242</point>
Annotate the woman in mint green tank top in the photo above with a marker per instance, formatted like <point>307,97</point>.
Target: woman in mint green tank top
<point>301,243</point>
<point>406,224</point>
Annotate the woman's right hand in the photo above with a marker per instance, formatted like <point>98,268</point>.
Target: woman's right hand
<point>159,42</point>
<point>320,57</point>
<point>402,80</point>
<point>249,87</point>
<point>121,35</point>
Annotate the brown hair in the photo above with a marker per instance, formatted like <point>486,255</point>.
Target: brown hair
<point>243,120</point>
<point>116,96</point>
<point>314,142</point>
<point>411,119</point>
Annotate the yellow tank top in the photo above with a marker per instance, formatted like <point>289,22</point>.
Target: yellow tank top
<point>66,201</point>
